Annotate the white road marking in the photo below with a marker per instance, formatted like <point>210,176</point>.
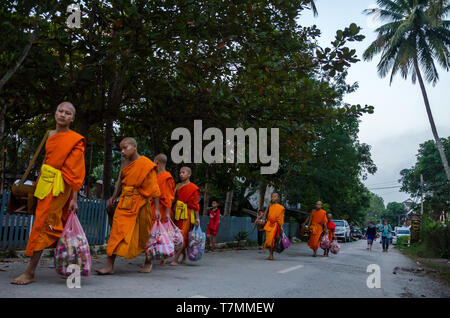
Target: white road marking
<point>198,296</point>
<point>287,270</point>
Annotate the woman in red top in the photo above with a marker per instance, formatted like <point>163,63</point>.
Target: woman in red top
<point>213,226</point>
<point>331,227</point>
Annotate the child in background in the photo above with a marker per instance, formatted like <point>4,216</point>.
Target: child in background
<point>213,226</point>
<point>260,223</point>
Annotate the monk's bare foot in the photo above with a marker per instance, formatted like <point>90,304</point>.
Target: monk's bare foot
<point>105,271</point>
<point>23,279</point>
<point>174,263</point>
<point>270,258</point>
<point>146,268</point>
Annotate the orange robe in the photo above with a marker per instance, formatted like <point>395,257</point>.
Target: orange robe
<point>132,218</point>
<point>275,219</point>
<point>167,188</point>
<point>318,218</point>
<point>190,195</point>
<point>63,151</point>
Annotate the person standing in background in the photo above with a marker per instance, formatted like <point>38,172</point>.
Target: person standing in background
<point>371,234</point>
<point>260,223</point>
<point>213,226</point>
<point>385,230</point>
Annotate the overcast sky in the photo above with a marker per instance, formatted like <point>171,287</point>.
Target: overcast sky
<point>399,123</point>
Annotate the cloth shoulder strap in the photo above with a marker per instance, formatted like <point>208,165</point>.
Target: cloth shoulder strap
<point>33,160</point>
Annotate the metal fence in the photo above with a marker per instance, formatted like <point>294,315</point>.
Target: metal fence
<point>15,228</point>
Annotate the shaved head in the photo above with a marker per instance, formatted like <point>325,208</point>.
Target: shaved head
<point>129,140</point>
<point>162,158</point>
<point>68,104</point>
<point>189,171</point>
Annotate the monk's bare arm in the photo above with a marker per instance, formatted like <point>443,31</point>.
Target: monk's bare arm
<point>157,214</point>
<point>73,206</point>
<point>197,218</point>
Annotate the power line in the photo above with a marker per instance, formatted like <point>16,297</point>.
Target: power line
<point>382,188</point>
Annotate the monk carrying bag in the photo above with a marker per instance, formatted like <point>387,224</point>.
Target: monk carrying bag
<point>22,198</point>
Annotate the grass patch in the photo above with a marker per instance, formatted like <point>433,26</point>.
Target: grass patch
<point>428,259</point>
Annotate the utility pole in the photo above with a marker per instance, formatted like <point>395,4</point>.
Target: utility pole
<point>421,194</point>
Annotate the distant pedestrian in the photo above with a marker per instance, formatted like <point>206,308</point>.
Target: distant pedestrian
<point>213,226</point>
<point>385,230</point>
<point>259,223</point>
<point>371,234</point>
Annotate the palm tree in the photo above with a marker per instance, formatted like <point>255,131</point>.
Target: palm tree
<point>312,4</point>
<point>414,37</point>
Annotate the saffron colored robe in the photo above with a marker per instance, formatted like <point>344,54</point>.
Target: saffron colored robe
<point>190,195</point>
<point>166,186</point>
<point>331,227</point>
<point>318,218</point>
<point>275,219</point>
<point>63,151</point>
<point>132,220</point>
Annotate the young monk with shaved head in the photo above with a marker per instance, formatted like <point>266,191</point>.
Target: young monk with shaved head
<point>167,188</point>
<point>132,220</point>
<point>61,177</point>
<point>186,211</point>
<point>318,227</point>
<point>274,225</point>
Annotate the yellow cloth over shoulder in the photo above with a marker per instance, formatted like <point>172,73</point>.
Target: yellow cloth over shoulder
<point>181,212</point>
<point>50,178</point>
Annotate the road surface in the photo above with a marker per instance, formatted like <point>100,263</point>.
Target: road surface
<point>242,273</point>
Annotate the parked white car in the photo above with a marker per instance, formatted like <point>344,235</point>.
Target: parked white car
<point>342,231</point>
<point>401,231</point>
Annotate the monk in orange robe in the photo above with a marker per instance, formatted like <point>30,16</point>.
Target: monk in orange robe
<point>62,174</point>
<point>274,225</point>
<point>132,221</point>
<point>331,228</point>
<point>318,227</point>
<point>167,188</point>
<point>186,210</point>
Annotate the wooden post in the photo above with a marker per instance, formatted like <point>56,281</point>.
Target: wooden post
<point>228,203</point>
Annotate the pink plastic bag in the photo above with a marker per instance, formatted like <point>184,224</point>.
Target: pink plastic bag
<point>335,247</point>
<point>72,248</point>
<point>285,241</point>
<point>324,242</point>
<point>159,244</point>
<point>174,233</point>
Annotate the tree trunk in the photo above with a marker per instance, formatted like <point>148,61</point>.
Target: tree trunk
<point>261,195</point>
<point>107,163</point>
<point>3,147</point>
<point>206,199</point>
<point>433,125</point>
<point>206,193</point>
<point>228,203</point>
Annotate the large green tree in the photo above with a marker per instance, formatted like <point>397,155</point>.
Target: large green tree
<point>435,188</point>
<point>415,37</point>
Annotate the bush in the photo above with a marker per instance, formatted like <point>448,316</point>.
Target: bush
<point>435,236</point>
<point>402,240</point>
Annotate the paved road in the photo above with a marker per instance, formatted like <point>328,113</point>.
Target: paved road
<point>245,273</point>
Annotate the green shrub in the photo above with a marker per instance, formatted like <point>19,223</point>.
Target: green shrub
<point>435,236</point>
<point>402,240</point>
<point>241,236</point>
